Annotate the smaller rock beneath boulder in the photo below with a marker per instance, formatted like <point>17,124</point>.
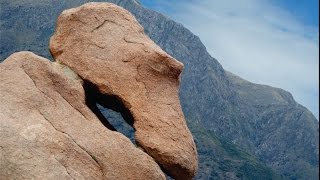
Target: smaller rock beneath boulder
<point>48,132</point>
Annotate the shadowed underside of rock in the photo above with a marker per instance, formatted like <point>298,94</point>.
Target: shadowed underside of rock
<point>48,132</point>
<point>105,45</point>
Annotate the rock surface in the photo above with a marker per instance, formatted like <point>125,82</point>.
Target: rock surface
<point>106,46</point>
<point>214,103</point>
<point>48,132</point>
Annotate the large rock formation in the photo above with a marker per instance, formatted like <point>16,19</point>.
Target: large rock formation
<point>48,132</point>
<point>106,47</point>
<point>219,108</point>
<point>50,125</point>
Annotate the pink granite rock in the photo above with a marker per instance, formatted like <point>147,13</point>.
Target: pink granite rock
<point>105,45</point>
<point>48,132</point>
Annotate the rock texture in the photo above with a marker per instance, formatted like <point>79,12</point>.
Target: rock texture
<point>216,105</point>
<point>106,46</point>
<point>48,132</point>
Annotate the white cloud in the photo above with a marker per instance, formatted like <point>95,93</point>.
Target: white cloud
<point>257,41</point>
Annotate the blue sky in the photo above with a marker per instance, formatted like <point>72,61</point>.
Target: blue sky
<point>273,42</point>
<point>306,11</point>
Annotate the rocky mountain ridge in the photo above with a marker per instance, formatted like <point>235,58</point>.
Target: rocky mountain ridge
<point>268,130</point>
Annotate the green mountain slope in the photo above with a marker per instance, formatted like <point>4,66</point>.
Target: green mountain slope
<point>220,159</point>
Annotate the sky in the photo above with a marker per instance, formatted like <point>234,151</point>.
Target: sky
<point>273,42</point>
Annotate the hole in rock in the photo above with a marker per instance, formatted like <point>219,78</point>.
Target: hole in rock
<point>112,113</point>
<point>110,110</point>
<point>117,121</point>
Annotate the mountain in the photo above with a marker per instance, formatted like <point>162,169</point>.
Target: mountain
<point>223,111</point>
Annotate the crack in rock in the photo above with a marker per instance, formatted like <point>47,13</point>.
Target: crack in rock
<point>70,138</point>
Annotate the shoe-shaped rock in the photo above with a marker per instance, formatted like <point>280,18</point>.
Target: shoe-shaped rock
<point>106,46</point>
